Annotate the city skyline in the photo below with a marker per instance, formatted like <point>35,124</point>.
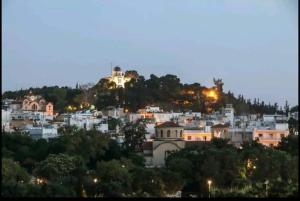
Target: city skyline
<point>251,45</point>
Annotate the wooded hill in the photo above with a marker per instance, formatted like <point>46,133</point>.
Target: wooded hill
<point>165,91</point>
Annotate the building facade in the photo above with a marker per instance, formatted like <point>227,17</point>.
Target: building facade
<point>118,77</point>
<point>37,103</point>
<point>269,137</point>
<point>168,138</point>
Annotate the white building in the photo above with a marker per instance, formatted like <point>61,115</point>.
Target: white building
<point>43,132</point>
<point>229,114</point>
<point>281,126</point>
<point>5,120</point>
<point>268,118</point>
<point>115,112</point>
<point>133,117</point>
<point>102,127</point>
<point>294,115</point>
<point>87,121</point>
<point>152,109</point>
<point>150,130</point>
<point>164,117</point>
<point>118,77</point>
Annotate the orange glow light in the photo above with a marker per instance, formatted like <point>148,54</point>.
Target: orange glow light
<point>211,94</point>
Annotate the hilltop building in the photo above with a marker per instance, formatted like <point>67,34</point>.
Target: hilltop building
<point>120,78</point>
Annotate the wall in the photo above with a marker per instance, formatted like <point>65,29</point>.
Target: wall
<point>160,149</point>
<point>266,138</point>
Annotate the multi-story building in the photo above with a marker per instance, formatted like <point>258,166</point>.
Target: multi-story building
<point>43,132</point>
<point>268,136</point>
<point>196,135</point>
<point>87,121</point>
<point>229,114</point>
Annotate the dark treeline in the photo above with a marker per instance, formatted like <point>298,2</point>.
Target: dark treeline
<point>165,91</point>
<point>89,164</point>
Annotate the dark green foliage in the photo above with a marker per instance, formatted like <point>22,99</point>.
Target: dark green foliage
<point>60,96</point>
<point>134,135</point>
<point>290,144</point>
<point>165,91</point>
<point>70,164</point>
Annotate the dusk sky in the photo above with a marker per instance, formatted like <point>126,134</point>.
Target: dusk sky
<point>251,44</point>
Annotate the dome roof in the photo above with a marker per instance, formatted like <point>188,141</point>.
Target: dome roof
<point>168,124</point>
<point>117,68</point>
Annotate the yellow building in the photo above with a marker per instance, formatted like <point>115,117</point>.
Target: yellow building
<point>269,137</point>
<point>196,135</point>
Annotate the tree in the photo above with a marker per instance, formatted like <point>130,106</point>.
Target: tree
<point>286,108</point>
<point>173,182</point>
<point>13,172</point>
<point>293,125</point>
<point>114,177</point>
<point>290,144</point>
<point>134,135</point>
<point>147,183</point>
<point>56,167</point>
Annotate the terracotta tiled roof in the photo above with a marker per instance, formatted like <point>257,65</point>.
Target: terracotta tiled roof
<point>220,126</point>
<point>168,124</point>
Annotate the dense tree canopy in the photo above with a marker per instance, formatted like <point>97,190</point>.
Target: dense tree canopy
<point>87,163</point>
<point>166,91</point>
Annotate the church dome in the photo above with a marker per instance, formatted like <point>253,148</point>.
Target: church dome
<point>117,68</point>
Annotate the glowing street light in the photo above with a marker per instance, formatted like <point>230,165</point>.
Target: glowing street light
<point>95,180</point>
<point>209,182</point>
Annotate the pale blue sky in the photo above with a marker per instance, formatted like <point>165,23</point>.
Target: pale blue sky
<point>251,44</point>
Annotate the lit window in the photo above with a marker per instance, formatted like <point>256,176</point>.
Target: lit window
<point>189,137</point>
<point>260,135</point>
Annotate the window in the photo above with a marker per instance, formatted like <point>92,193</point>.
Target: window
<point>181,133</point>
<point>176,133</point>
<point>204,138</point>
<point>34,107</point>
<point>161,133</point>
<point>189,137</point>
<point>168,133</point>
<point>260,135</point>
<point>281,135</point>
